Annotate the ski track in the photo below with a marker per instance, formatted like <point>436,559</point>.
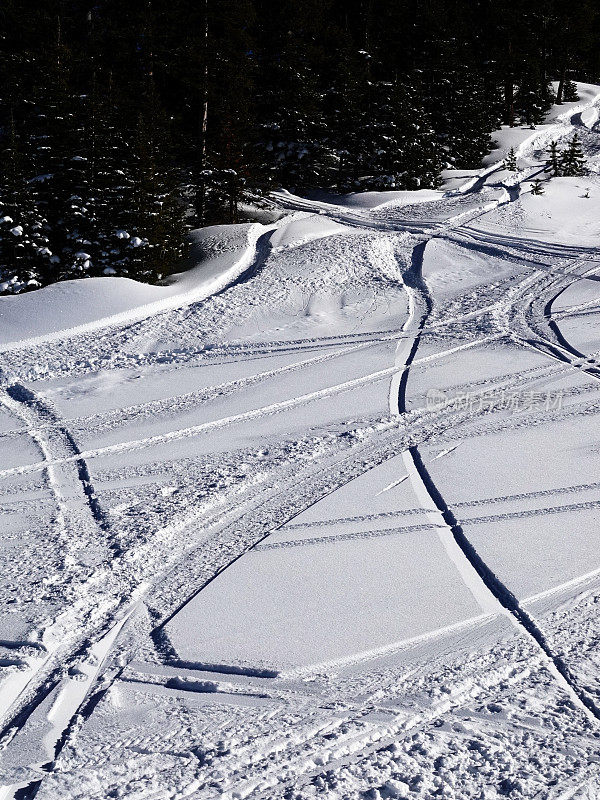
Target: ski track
<point>273,408</point>
<point>490,594</point>
<point>525,316</point>
<point>248,261</point>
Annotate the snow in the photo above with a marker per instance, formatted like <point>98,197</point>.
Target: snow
<point>341,600</point>
<point>451,268</point>
<point>98,302</point>
<point>589,117</point>
<point>305,229</point>
<point>375,200</point>
<point>318,516</point>
<point>557,122</point>
<point>41,178</point>
<point>70,304</point>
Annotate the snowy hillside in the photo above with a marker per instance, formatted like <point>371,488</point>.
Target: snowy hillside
<point>319,518</point>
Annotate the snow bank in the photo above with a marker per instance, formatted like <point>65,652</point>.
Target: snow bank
<point>306,229</point>
<point>589,117</point>
<point>224,252</point>
<point>366,201</point>
<point>562,214</point>
<point>450,269</point>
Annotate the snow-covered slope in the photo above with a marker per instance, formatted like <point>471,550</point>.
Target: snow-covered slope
<point>318,519</point>
<point>224,253</point>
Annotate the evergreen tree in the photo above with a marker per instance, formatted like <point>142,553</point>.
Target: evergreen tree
<point>399,148</point>
<point>533,99</point>
<point>24,254</point>
<point>461,115</point>
<point>570,93</point>
<point>554,163</point>
<point>510,162</point>
<point>346,108</point>
<point>537,187</point>
<point>154,218</point>
<point>290,131</point>
<point>123,124</point>
<point>572,38</point>
<point>573,159</point>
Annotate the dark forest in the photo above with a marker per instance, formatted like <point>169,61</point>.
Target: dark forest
<point>124,125</point>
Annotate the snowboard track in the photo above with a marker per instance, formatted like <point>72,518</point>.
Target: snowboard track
<point>495,586</point>
<point>413,280</point>
<point>499,589</point>
<point>48,417</point>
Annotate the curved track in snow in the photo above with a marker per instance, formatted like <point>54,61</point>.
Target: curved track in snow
<point>137,562</point>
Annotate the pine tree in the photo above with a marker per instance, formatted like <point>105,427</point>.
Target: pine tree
<point>570,93</point>
<point>290,121</point>
<point>554,163</point>
<point>344,94</point>
<point>153,219</point>
<point>573,159</point>
<point>510,162</point>
<point>533,98</point>
<point>230,155</point>
<point>572,38</point>
<point>460,113</point>
<point>537,187</point>
<point>346,106</point>
<point>24,253</point>
<point>408,153</point>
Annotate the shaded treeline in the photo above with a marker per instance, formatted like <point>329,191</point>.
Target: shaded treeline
<point>125,123</point>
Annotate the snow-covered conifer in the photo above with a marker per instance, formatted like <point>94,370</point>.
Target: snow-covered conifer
<point>510,162</point>
<point>573,160</point>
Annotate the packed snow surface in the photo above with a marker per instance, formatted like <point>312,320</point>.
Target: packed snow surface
<point>319,516</point>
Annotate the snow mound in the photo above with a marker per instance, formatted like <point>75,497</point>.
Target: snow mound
<point>568,212</point>
<point>450,269</point>
<point>564,212</point>
<point>589,117</point>
<point>222,253</point>
<point>301,231</point>
<point>368,201</point>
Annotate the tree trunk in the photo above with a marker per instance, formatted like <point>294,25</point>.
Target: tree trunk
<point>544,51</point>
<point>233,201</point>
<point>368,21</point>
<point>203,129</point>
<point>509,89</point>
<point>340,175</point>
<point>561,86</point>
<point>509,101</point>
<point>93,138</point>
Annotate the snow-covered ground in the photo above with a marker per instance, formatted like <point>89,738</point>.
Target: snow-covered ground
<point>320,518</point>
